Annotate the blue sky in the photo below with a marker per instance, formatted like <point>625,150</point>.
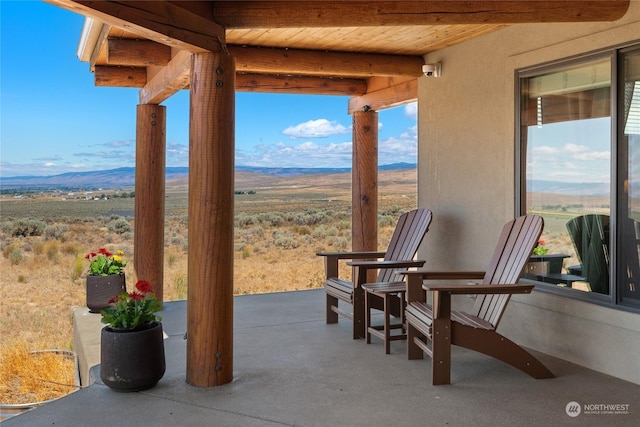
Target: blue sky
<point>54,120</point>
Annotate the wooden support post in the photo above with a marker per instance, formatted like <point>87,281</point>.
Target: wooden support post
<point>148,239</point>
<point>364,202</point>
<point>210,258</point>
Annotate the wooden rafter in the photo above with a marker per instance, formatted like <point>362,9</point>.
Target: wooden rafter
<point>300,85</point>
<point>137,53</point>
<point>321,63</point>
<point>161,21</point>
<point>387,97</point>
<point>105,75</point>
<point>280,14</point>
<point>169,80</point>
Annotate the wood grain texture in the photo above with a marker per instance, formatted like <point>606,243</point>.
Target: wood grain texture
<point>149,201</point>
<point>210,258</point>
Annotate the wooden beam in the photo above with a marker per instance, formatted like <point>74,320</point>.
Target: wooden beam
<point>388,97</point>
<point>148,232</point>
<point>364,184</point>
<point>137,53</point>
<point>299,85</point>
<point>210,258</point>
<point>161,21</point>
<point>172,78</point>
<point>280,14</point>
<point>322,63</point>
<point>120,76</point>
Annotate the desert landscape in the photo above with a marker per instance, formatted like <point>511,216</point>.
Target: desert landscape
<point>280,223</point>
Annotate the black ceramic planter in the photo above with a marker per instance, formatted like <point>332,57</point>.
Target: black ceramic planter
<point>132,360</point>
<point>100,289</point>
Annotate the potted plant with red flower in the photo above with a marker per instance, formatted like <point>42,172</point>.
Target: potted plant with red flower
<point>131,343</point>
<point>105,278</point>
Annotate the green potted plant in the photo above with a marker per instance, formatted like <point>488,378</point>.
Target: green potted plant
<point>131,343</point>
<point>538,265</point>
<point>105,278</point>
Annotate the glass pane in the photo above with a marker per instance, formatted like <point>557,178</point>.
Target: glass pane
<point>629,213</point>
<point>566,138</point>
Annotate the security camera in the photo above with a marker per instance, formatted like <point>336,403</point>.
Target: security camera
<point>432,70</point>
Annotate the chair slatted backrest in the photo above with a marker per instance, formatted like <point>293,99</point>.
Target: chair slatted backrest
<point>590,236</point>
<point>407,236</point>
<point>515,245</point>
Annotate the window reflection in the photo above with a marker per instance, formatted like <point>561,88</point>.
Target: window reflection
<point>566,137</point>
<point>629,195</point>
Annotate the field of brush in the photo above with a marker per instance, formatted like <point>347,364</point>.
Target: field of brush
<point>280,223</point>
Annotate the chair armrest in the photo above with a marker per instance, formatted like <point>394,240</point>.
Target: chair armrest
<point>360,268</point>
<point>450,275</point>
<point>386,264</point>
<point>353,255</point>
<point>331,259</point>
<point>515,288</point>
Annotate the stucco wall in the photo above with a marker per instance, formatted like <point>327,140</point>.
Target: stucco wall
<point>466,159</point>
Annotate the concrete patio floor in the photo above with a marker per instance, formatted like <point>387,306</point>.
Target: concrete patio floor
<point>291,369</point>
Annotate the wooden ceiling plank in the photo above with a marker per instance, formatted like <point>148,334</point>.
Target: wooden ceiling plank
<point>299,85</point>
<point>169,80</point>
<point>105,75</point>
<point>388,97</point>
<point>160,21</point>
<point>137,53</point>
<point>280,14</point>
<point>310,62</point>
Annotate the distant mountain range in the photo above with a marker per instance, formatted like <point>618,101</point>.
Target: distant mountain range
<point>125,177</point>
<point>570,188</point>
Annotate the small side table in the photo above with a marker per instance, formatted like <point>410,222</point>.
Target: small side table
<point>385,291</point>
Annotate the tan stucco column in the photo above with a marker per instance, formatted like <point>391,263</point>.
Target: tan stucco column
<point>210,258</point>
<point>148,234</point>
<point>365,181</point>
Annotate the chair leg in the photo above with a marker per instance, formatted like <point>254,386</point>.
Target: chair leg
<point>367,319</point>
<point>358,313</point>
<point>441,348</point>
<point>387,324</point>
<point>332,316</point>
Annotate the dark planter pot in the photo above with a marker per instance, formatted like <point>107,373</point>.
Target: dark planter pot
<point>132,360</point>
<point>100,289</point>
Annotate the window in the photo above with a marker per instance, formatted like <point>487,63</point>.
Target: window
<point>579,152</point>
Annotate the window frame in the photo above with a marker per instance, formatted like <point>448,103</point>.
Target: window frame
<point>614,55</point>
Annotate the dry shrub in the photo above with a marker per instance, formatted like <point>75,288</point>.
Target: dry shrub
<point>38,248</point>
<point>52,247</point>
<point>27,377</point>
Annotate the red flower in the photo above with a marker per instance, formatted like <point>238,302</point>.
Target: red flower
<point>113,300</point>
<point>136,296</point>
<point>541,242</point>
<point>104,252</point>
<point>90,255</point>
<point>144,286</point>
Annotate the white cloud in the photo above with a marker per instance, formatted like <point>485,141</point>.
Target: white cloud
<point>177,154</point>
<point>411,110</point>
<point>117,144</point>
<point>321,128</point>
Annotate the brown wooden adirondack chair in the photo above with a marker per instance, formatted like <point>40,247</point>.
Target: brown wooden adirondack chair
<point>409,232</point>
<point>438,325</point>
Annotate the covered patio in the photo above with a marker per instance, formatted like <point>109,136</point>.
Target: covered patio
<point>372,51</point>
<point>280,363</point>
<point>291,369</point>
